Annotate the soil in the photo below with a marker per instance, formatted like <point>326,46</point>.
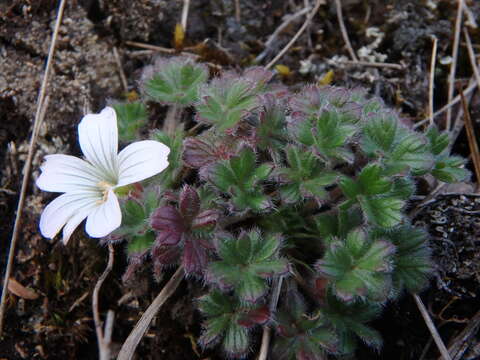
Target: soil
<point>58,323</point>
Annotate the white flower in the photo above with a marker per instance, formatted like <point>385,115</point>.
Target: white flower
<point>89,184</point>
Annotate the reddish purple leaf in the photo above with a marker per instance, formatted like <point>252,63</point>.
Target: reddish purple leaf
<point>194,256</point>
<point>168,238</point>
<point>198,153</point>
<point>165,255</point>
<point>189,203</point>
<point>305,355</point>
<point>205,218</point>
<point>167,218</point>
<point>258,75</point>
<point>257,316</point>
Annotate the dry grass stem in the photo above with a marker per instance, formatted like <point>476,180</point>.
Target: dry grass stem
<point>103,344</point>
<point>472,56</point>
<point>271,40</point>
<point>296,36</point>
<point>455,101</point>
<point>431,326</point>
<point>472,140</point>
<point>172,119</point>
<point>266,335</point>
<point>151,47</point>
<point>128,348</point>
<point>432,79</point>
<point>343,29</point>
<point>459,345</point>
<point>186,8</point>
<point>118,61</point>
<point>372,64</point>
<point>238,13</point>
<point>453,66</point>
<point>42,104</point>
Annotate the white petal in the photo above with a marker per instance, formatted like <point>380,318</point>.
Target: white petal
<point>64,208</point>
<point>141,160</point>
<point>98,136</point>
<point>65,173</point>
<point>105,218</point>
<point>74,221</point>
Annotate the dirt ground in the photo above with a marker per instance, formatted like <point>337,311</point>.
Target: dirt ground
<point>57,323</point>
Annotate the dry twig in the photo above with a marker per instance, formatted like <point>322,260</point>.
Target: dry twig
<point>103,339</point>
<point>453,66</point>
<point>472,57</point>
<point>459,345</point>
<point>271,40</point>
<point>472,141</point>
<point>432,79</point>
<point>455,101</point>
<point>186,7</point>
<point>40,113</point>
<point>238,12</point>
<point>129,346</point>
<point>431,326</point>
<point>118,61</point>
<point>266,335</point>
<point>344,32</point>
<point>372,64</point>
<point>151,47</point>
<point>297,35</point>
<point>172,119</point>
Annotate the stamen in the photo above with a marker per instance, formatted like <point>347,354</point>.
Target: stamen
<point>105,187</point>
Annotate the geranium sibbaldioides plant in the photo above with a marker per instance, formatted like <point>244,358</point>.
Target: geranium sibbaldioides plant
<point>263,184</point>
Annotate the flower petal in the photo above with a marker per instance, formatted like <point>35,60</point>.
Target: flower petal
<point>98,137</point>
<point>142,160</point>
<point>74,221</point>
<point>65,173</point>
<point>105,218</point>
<point>63,209</point>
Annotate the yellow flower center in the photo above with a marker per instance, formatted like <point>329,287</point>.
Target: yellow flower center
<point>105,188</point>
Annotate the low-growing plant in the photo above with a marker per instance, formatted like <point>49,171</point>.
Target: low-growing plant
<point>268,191</point>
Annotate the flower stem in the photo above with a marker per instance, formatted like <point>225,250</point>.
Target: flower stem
<point>129,346</point>
<point>172,119</point>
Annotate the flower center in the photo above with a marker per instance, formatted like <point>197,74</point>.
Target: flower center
<point>105,188</point>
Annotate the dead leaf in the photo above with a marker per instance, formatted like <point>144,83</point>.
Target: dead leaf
<point>179,36</point>
<point>327,78</point>
<point>21,291</point>
<point>283,70</point>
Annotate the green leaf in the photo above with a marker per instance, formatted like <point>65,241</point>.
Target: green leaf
<point>176,81</point>
<point>450,169</point>
<point>382,211</point>
<point>236,340</point>
<point>240,177</point>
<point>140,243</point>
<point>349,187</point>
<point>349,320</point>
<point>225,101</point>
<point>412,259</point>
<point>410,152</point>
<point>271,128</point>
<point>438,141</point>
<point>372,182</point>
<point>290,193</point>
<point>357,267</point>
<point>169,176</point>
<point>379,133</point>
<point>247,262</point>
<point>130,118</point>
<point>133,214</point>
<point>403,188</point>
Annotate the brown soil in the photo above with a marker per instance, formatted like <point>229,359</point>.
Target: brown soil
<point>58,324</point>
